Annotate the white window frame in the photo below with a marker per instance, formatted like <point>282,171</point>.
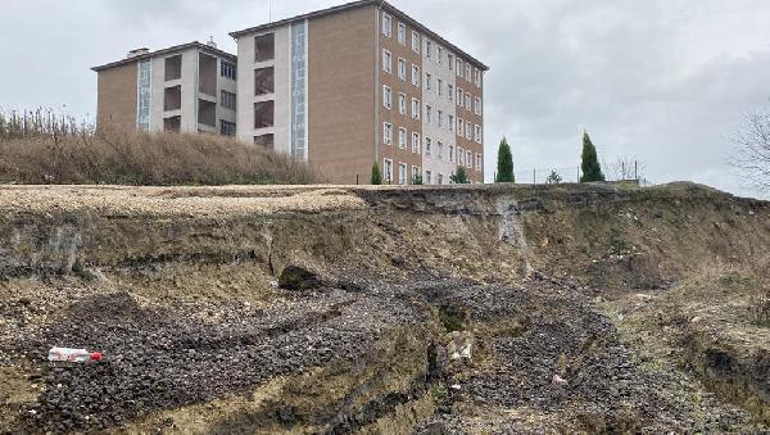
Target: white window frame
<point>387,61</point>
<point>468,130</point>
<point>402,33</point>
<point>428,176</point>
<point>416,143</point>
<point>440,150</point>
<point>402,67</point>
<point>428,82</point>
<point>416,76</point>
<point>477,106</point>
<point>428,114</point>
<point>459,64</point>
<point>477,133</point>
<point>403,169</point>
<point>451,153</point>
<point>440,118</point>
<point>479,162</point>
<point>460,127</point>
<point>440,54</point>
<point>468,102</point>
<point>416,172</point>
<point>416,109</point>
<point>387,97</point>
<point>402,104</point>
<point>387,169</point>
<point>451,92</point>
<point>387,133</point>
<point>451,123</point>
<point>468,72</point>
<point>460,156</point>
<point>416,41</point>
<point>469,159</point>
<point>440,179</point>
<point>387,25</point>
<point>460,96</point>
<point>451,62</point>
<point>428,49</point>
<point>402,135</point>
<point>477,77</point>
<point>428,147</point>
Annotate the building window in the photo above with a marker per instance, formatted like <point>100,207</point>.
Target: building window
<point>428,49</point>
<point>451,92</point>
<point>477,78</point>
<point>387,133</point>
<point>469,159</point>
<point>460,127</point>
<point>387,97</point>
<point>264,81</point>
<point>172,98</point>
<point>440,150</point>
<point>468,72</point>
<point>402,168</point>
<point>451,153</point>
<point>428,82</point>
<point>229,70</point>
<point>265,140</point>
<point>415,42</point>
<point>173,68</point>
<point>440,116</point>
<point>416,75</point>
<point>402,103</point>
<point>387,25</point>
<point>226,128</point>
<point>428,147</point>
<point>460,94</point>
<point>459,67</point>
<point>264,114</point>
<point>440,56</point>
<point>451,62</point>
<point>387,62</point>
<point>468,101</point>
<point>477,133</point>
<point>451,123</point>
<point>477,106</point>
<point>402,33</point>
<point>428,177</point>
<point>460,156</point>
<point>428,114</point>
<point>228,100</point>
<point>264,48</point>
<point>388,169</point>
<point>416,143</point>
<point>440,179</point>
<point>416,108</point>
<point>468,130</point>
<point>415,174</point>
<point>440,86</point>
<point>402,138</point>
<point>402,69</point>
<point>479,164</point>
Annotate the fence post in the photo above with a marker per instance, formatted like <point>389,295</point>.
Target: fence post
<point>578,174</point>
<point>636,170</point>
<point>534,176</point>
<point>357,180</point>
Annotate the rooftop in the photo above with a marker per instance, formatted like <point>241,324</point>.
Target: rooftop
<point>165,51</point>
<point>359,4</point>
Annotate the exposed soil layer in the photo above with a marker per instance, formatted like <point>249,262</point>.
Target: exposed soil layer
<point>180,290</point>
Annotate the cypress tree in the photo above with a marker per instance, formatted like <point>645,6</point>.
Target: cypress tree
<point>376,175</point>
<point>592,171</point>
<point>504,164</point>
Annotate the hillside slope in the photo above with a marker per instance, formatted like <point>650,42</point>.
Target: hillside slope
<point>431,310</point>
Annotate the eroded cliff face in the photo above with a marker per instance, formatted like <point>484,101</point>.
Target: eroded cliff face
<point>178,287</point>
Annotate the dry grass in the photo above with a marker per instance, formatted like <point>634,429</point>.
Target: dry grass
<point>43,148</point>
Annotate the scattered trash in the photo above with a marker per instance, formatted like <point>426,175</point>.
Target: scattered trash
<point>80,356</point>
<point>558,381</point>
<point>696,319</point>
<point>456,387</point>
<point>274,284</point>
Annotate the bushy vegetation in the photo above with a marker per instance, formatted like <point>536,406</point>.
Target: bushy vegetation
<point>376,175</point>
<point>460,176</point>
<point>42,147</point>
<point>504,164</point>
<point>592,170</point>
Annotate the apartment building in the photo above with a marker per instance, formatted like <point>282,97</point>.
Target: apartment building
<point>190,88</point>
<point>361,83</point>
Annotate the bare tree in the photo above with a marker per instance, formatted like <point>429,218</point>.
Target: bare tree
<point>624,168</point>
<point>752,154</point>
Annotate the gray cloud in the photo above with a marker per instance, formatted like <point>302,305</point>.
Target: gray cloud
<point>666,81</point>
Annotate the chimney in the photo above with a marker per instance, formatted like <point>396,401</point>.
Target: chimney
<point>211,42</point>
<point>138,52</point>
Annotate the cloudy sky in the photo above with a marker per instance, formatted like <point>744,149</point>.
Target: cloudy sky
<point>665,82</point>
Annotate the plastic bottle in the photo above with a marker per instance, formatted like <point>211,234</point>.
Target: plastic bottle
<point>80,356</point>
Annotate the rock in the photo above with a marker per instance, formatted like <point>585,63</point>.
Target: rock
<point>295,278</point>
<point>558,381</point>
<point>460,345</point>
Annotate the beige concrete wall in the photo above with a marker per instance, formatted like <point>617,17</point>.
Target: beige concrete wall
<point>341,110</point>
<point>117,97</point>
<point>245,87</point>
<point>439,164</point>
